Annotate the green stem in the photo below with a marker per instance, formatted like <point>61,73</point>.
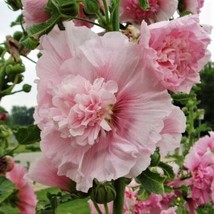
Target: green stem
<point>115,16</point>
<point>29,59</point>
<point>106,208</point>
<point>119,185</point>
<point>106,11</point>
<point>97,207</point>
<point>88,21</point>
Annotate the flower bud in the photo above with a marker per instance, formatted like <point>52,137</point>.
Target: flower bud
<point>6,164</point>
<point>15,69</point>
<point>26,88</point>
<point>103,193</point>
<point>14,4</point>
<point>66,8</point>
<point>91,6</point>
<point>155,159</point>
<point>17,35</point>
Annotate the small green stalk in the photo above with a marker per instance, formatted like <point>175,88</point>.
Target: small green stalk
<point>115,16</point>
<point>97,207</point>
<point>119,185</point>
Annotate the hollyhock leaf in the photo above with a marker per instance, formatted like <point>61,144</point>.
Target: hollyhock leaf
<point>30,43</point>
<point>28,135</point>
<point>7,188</point>
<point>152,181</point>
<point>43,28</point>
<point>144,4</point>
<point>18,21</point>
<point>168,171</point>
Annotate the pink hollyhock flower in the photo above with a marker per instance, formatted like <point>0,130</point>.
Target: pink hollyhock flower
<point>159,10</point>
<point>26,198</point>
<point>43,171</point>
<point>181,51</point>
<point>33,11</point>
<point>200,163</point>
<point>174,126</point>
<point>97,103</point>
<point>192,6</point>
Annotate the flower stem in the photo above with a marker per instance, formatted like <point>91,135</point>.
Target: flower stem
<point>106,208</point>
<point>119,185</point>
<point>97,207</point>
<point>115,16</point>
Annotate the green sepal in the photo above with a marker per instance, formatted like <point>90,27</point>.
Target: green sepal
<point>144,4</point>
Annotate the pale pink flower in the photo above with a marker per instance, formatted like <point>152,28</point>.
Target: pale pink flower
<point>97,103</point>
<point>159,10</point>
<point>174,126</point>
<point>200,163</point>
<point>43,171</point>
<point>26,198</point>
<point>192,6</point>
<point>34,11</point>
<point>181,51</point>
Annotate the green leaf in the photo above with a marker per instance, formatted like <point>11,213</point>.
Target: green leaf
<point>6,188</point>
<point>18,21</point>
<point>43,28</point>
<point>168,171</point>
<point>30,43</point>
<point>28,135</point>
<point>152,181</point>
<point>144,4</point>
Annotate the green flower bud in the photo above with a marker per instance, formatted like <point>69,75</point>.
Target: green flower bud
<point>14,4</point>
<point>67,8</point>
<point>91,6</point>
<point>103,193</point>
<point>17,35</point>
<point>26,88</point>
<point>15,69</point>
<point>155,159</point>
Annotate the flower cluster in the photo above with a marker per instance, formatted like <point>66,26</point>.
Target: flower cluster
<point>200,163</point>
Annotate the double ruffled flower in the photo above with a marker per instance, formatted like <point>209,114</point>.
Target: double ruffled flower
<point>100,108</point>
<point>200,163</point>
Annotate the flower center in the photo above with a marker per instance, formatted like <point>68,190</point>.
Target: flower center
<point>84,110</point>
